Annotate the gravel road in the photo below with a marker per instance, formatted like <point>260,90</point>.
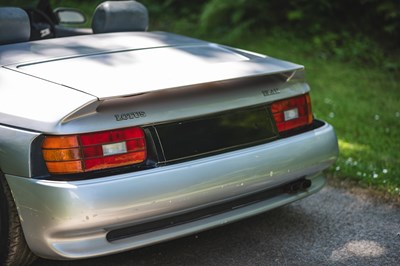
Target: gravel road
<point>332,227</point>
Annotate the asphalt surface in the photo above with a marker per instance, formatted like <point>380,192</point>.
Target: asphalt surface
<point>332,227</point>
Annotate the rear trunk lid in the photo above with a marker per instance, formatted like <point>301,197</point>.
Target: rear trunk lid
<point>127,79</point>
<point>129,71</point>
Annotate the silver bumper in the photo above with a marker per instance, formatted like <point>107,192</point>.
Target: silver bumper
<point>70,220</point>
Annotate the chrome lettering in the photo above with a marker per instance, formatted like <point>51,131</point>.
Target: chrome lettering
<point>129,116</point>
<point>268,92</point>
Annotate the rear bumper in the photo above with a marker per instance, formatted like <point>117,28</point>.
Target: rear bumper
<point>70,220</point>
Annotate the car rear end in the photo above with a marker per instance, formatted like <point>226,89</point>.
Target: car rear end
<point>209,148</point>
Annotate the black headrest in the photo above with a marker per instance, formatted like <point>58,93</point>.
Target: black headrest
<point>14,25</point>
<point>117,16</point>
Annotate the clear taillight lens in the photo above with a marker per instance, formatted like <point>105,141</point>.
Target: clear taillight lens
<point>292,113</point>
<point>94,151</point>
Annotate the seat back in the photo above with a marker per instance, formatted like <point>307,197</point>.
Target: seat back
<point>119,16</point>
<point>14,25</point>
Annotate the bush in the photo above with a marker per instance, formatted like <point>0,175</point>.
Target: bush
<point>367,31</point>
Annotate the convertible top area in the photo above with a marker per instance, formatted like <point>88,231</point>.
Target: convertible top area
<point>91,59</point>
<point>104,67</point>
<point>92,44</point>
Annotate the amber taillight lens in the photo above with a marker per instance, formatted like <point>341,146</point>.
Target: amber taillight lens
<point>94,151</point>
<point>292,113</point>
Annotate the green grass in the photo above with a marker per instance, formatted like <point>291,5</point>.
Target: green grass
<point>361,102</point>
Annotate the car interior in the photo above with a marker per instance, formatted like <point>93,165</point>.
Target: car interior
<point>42,22</point>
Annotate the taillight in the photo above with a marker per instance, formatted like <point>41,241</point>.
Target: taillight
<point>94,151</point>
<point>292,113</point>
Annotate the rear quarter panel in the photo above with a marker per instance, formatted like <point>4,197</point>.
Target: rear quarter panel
<point>35,104</point>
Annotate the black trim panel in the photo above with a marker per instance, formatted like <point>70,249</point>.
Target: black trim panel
<point>216,133</point>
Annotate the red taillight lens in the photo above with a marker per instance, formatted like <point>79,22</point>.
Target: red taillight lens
<point>292,113</point>
<point>94,151</point>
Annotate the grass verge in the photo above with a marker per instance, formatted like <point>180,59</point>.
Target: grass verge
<point>361,102</point>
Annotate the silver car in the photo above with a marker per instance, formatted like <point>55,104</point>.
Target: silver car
<point>115,138</point>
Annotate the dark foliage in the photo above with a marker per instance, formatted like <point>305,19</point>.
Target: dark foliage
<point>361,30</point>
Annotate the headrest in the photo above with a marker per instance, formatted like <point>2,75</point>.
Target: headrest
<point>14,25</point>
<point>117,16</point>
